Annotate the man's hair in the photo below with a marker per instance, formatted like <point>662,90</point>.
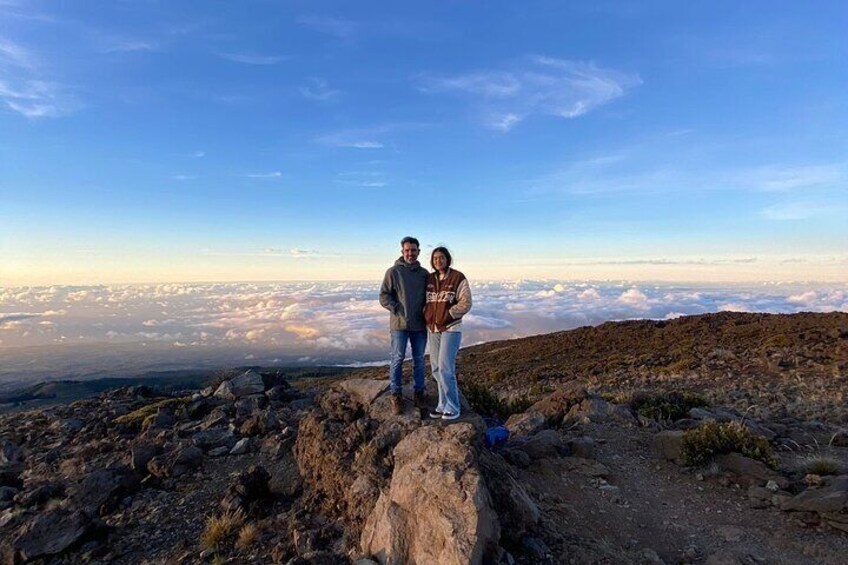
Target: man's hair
<point>444,251</point>
<point>410,239</point>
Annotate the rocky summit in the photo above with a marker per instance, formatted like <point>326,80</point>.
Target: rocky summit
<point>717,439</point>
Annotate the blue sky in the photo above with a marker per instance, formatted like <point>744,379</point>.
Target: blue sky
<point>145,141</point>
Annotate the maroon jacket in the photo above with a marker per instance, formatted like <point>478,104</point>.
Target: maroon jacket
<point>448,300</point>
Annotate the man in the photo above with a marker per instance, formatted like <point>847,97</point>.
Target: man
<point>403,293</point>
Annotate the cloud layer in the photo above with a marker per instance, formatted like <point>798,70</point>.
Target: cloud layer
<point>343,322</point>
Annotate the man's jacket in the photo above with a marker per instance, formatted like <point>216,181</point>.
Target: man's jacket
<point>402,294</point>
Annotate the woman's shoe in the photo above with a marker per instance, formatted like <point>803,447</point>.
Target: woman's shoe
<point>434,413</point>
<point>450,415</point>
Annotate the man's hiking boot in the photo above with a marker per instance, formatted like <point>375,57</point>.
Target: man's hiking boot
<point>420,399</point>
<point>397,404</point>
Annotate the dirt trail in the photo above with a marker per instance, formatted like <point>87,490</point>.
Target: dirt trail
<point>646,508</point>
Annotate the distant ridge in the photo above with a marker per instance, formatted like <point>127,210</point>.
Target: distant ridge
<point>766,363</point>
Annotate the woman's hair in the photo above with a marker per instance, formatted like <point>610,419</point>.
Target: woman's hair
<point>444,251</point>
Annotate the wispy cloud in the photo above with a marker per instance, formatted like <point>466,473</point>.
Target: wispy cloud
<point>367,138</point>
<point>319,90</point>
<point>349,139</point>
<point>253,58</point>
<point>13,54</point>
<point>795,211</point>
<point>535,85</point>
<point>184,177</point>
<point>294,252</point>
<point>130,46</point>
<point>336,27</point>
<point>272,175</point>
<point>784,179</point>
<point>366,179</point>
<point>37,99</point>
<point>23,88</point>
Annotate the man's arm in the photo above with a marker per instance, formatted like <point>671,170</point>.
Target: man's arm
<point>463,301</point>
<point>388,296</point>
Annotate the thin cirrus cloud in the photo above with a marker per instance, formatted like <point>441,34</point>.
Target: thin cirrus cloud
<point>130,46</point>
<point>253,58</point>
<point>786,179</point>
<point>797,211</point>
<point>265,176</point>
<point>25,90</point>
<point>318,89</point>
<point>336,27</point>
<point>336,322</point>
<point>350,139</point>
<point>535,85</point>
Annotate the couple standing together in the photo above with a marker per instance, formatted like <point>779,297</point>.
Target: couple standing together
<point>426,308</point>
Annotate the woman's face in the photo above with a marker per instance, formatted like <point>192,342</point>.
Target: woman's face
<point>440,262</point>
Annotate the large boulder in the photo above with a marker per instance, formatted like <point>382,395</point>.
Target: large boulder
<point>750,472</point>
<point>526,423</point>
<point>365,391</point>
<point>669,445</point>
<point>596,409</point>
<point>100,491</point>
<point>51,533</point>
<point>346,456</point>
<point>557,404</point>
<point>437,508</point>
<point>247,383</point>
<point>829,502</point>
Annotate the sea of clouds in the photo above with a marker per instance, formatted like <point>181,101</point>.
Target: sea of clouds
<point>133,328</point>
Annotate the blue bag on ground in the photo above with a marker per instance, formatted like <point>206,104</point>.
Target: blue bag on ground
<point>495,432</point>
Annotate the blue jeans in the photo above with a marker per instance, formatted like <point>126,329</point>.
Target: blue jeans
<point>418,341</point>
<point>443,349</point>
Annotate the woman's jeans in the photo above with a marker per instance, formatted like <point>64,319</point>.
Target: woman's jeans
<point>443,349</point>
<point>418,341</point>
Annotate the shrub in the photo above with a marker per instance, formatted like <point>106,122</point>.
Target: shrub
<point>219,528</point>
<point>702,444</point>
<point>487,403</point>
<point>667,405</point>
<point>820,464</point>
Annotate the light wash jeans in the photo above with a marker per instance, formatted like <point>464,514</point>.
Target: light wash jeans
<point>418,341</point>
<point>443,349</point>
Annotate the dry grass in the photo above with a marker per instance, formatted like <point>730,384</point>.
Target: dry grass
<point>142,417</point>
<point>247,536</point>
<point>820,464</point>
<point>219,528</point>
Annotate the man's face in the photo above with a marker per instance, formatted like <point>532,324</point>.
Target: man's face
<point>410,252</point>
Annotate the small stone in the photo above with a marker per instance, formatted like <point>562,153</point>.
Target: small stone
<point>241,447</point>
<point>772,486</point>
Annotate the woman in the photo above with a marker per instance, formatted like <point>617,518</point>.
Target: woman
<point>448,300</point>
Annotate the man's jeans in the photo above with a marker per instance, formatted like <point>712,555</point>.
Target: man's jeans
<point>443,349</point>
<point>418,341</point>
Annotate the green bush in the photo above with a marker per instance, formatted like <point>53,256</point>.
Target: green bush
<point>666,405</point>
<point>821,465</point>
<point>486,403</point>
<point>702,444</point>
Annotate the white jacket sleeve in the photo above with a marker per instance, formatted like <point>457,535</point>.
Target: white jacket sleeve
<point>463,300</point>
